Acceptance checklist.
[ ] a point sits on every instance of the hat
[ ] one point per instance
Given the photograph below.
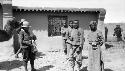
(26, 24)
(117, 25)
(76, 21)
(22, 20)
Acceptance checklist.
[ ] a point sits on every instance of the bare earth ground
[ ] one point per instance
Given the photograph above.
(51, 58)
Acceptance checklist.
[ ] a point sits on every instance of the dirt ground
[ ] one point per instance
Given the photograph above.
(51, 57)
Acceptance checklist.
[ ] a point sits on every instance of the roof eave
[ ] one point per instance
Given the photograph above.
(101, 10)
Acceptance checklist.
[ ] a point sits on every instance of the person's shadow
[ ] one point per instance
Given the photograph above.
(45, 68)
(108, 45)
(108, 70)
(39, 55)
(85, 69)
(8, 65)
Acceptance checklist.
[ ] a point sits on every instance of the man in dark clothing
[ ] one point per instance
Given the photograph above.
(25, 40)
(117, 32)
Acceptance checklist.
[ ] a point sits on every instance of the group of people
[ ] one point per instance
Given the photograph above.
(73, 42)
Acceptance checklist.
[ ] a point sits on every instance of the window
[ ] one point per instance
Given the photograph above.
(55, 24)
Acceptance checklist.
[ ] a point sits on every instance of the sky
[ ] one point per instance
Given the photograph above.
(115, 9)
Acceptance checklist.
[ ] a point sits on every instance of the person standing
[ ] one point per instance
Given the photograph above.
(77, 40)
(68, 35)
(25, 40)
(117, 33)
(95, 39)
(64, 29)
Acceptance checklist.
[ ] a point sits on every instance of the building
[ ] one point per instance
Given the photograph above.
(50, 18)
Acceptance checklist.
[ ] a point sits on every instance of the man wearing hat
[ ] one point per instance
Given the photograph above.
(25, 40)
(96, 40)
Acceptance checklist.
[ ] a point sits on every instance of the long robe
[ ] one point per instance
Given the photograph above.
(95, 57)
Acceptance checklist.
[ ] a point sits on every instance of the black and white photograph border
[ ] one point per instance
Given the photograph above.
(62, 35)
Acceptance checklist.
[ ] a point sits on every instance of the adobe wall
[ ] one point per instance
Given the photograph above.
(39, 20)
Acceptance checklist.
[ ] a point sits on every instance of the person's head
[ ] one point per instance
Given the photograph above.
(93, 25)
(21, 22)
(64, 23)
(117, 25)
(26, 25)
(71, 24)
(76, 24)
(34, 37)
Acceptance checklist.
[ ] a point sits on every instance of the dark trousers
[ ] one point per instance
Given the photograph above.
(64, 46)
(28, 55)
(119, 38)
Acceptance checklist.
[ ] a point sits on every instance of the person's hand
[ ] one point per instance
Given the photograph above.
(16, 56)
(71, 39)
(81, 46)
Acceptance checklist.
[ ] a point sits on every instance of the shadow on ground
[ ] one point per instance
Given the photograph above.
(39, 54)
(108, 70)
(45, 68)
(108, 45)
(84, 69)
(8, 65)
(84, 57)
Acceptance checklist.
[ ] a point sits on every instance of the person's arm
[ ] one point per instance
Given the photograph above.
(63, 32)
(121, 30)
(82, 39)
(100, 39)
(67, 35)
(89, 38)
(114, 34)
